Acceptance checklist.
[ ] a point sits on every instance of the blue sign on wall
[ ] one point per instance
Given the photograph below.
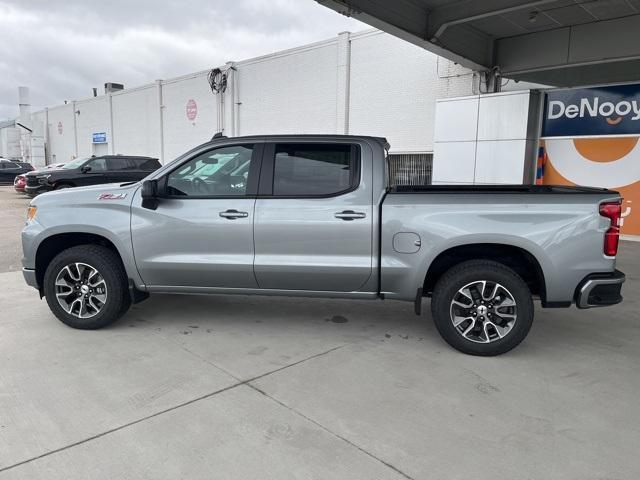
(100, 137)
(611, 110)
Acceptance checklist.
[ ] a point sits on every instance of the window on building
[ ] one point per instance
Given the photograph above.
(410, 169)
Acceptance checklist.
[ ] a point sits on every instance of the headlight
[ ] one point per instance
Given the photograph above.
(31, 212)
(42, 179)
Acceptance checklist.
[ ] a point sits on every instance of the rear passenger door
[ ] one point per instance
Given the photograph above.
(122, 169)
(313, 218)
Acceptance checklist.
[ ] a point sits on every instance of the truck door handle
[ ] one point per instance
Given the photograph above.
(233, 214)
(349, 215)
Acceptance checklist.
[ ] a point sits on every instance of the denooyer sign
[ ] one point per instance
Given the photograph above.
(611, 110)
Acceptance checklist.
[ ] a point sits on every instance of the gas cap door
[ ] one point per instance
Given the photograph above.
(406, 242)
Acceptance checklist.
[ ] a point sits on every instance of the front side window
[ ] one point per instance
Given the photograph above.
(220, 172)
(314, 169)
(97, 165)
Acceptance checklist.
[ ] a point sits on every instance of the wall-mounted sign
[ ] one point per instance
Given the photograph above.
(99, 137)
(60, 128)
(613, 110)
(592, 138)
(192, 110)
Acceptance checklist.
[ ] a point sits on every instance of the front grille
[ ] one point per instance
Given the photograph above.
(32, 181)
(410, 169)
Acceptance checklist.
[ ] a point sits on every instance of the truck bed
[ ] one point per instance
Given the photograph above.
(493, 189)
(559, 226)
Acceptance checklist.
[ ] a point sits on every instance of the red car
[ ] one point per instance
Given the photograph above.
(19, 183)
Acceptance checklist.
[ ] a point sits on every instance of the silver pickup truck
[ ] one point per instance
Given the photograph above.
(315, 215)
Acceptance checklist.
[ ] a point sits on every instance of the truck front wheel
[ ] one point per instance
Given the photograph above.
(482, 307)
(86, 287)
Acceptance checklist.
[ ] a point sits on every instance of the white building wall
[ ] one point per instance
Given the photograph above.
(180, 133)
(9, 142)
(368, 83)
(36, 139)
(136, 121)
(394, 87)
(484, 139)
(61, 133)
(92, 117)
(289, 92)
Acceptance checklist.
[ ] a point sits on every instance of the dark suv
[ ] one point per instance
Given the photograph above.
(91, 171)
(10, 169)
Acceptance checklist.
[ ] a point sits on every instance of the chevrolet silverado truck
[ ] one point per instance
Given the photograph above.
(317, 215)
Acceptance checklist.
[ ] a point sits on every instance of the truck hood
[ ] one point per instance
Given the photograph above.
(111, 193)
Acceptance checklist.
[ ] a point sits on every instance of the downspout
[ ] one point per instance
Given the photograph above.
(232, 93)
(161, 120)
(47, 147)
(112, 141)
(236, 100)
(75, 127)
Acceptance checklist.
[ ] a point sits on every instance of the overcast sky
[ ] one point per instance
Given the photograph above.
(60, 49)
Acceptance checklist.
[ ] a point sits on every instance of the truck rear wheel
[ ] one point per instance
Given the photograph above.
(482, 307)
(86, 287)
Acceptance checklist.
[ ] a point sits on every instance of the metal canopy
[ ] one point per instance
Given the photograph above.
(554, 42)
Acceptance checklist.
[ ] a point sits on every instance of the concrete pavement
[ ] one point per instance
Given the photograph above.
(13, 213)
(260, 387)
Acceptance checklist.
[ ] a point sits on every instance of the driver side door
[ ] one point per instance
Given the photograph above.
(93, 172)
(201, 234)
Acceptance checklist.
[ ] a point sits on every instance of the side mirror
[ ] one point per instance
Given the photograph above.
(149, 193)
(149, 189)
(85, 169)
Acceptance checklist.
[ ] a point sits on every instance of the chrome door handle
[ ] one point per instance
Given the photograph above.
(349, 215)
(233, 214)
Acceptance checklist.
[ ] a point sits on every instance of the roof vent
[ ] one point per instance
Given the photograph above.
(113, 87)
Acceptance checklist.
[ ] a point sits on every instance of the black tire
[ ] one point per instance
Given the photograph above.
(109, 266)
(467, 273)
(63, 185)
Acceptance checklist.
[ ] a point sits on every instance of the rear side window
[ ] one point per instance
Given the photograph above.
(120, 164)
(145, 163)
(314, 169)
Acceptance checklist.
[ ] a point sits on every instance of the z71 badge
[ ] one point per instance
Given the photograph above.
(112, 196)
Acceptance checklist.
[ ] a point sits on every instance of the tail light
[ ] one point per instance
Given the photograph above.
(613, 211)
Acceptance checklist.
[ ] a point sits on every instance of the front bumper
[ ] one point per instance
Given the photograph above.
(30, 277)
(29, 190)
(600, 290)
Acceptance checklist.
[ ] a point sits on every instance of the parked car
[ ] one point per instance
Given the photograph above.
(91, 171)
(19, 183)
(10, 169)
(314, 216)
(54, 166)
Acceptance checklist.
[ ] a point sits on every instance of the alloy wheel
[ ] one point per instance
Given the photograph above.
(483, 311)
(81, 290)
